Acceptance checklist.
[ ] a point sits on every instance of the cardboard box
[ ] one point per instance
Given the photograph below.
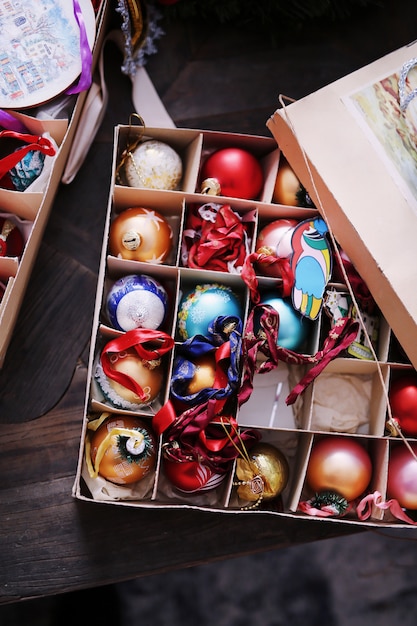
(32, 208)
(348, 400)
(353, 148)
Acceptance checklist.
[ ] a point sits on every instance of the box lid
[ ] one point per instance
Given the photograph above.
(354, 149)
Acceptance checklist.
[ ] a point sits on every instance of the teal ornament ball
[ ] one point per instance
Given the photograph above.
(199, 307)
(293, 327)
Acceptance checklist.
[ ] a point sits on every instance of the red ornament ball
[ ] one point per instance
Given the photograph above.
(274, 239)
(140, 234)
(403, 401)
(402, 476)
(232, 172)
(11, 239)
(340, 465)
(191, 476)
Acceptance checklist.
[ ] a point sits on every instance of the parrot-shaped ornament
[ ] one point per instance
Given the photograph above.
(311, 264)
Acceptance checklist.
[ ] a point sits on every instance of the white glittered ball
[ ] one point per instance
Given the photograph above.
(153, 165)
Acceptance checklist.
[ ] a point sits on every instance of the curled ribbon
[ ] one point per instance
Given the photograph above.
(226, 347)
(261, 334)
(364, 508)
(249, 274)
(199, 434)
(149, 344)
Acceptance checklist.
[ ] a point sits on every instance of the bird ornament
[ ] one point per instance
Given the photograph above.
(311, 265)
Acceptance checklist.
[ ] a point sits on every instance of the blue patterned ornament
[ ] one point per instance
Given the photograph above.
(27, 170)
(201, 306)
(136, 301)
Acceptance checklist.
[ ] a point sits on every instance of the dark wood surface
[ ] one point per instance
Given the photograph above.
(214, 77)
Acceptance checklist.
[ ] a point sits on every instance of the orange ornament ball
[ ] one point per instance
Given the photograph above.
(140, 234)
(287, 186)
(124, 448)
(340, 465)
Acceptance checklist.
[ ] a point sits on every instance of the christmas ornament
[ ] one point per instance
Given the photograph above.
(288, 190)
(153, 164)
(403, 402)
(130, 371)
(402, 475)
(122, 449)
(275, 239)
(148, 375)
(262, 473)
(198, 308)
(11, 239)
(311, 265)
(21, 167)
(191, 476)
(293, 328)
(140, 234)
(232, 172)
(204, 373)
(136, 301)
(340, 465)
(208, 367)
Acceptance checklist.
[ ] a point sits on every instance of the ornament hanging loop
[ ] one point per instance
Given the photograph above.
(132, 142)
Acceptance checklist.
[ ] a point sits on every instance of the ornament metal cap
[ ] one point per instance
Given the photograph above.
(211, 187)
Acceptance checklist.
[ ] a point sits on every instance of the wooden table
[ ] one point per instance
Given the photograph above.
(49, 542)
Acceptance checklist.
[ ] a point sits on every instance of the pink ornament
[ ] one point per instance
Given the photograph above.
(402, 476)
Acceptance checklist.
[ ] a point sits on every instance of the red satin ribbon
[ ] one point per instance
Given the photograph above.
(137, 339)
(33, 142)
(198, 434)
(249, 275)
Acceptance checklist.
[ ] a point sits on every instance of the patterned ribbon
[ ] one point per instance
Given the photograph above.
(199, 434)
(226, 347)
(261, 335)
(150, 345)
(85, 79)
(249, 275)
(33, 143)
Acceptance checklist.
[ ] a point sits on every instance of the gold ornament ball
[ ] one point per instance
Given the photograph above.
(204, 375)
(119, 464)
(149, 378)
(270, 464)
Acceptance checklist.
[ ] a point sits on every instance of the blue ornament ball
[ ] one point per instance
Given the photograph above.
(136, 301)
(200, 307)
(293, 327)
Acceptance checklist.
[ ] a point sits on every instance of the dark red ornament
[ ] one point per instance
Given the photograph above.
(403, 402)
(11, 239)
(232, 172)
(191, 476)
